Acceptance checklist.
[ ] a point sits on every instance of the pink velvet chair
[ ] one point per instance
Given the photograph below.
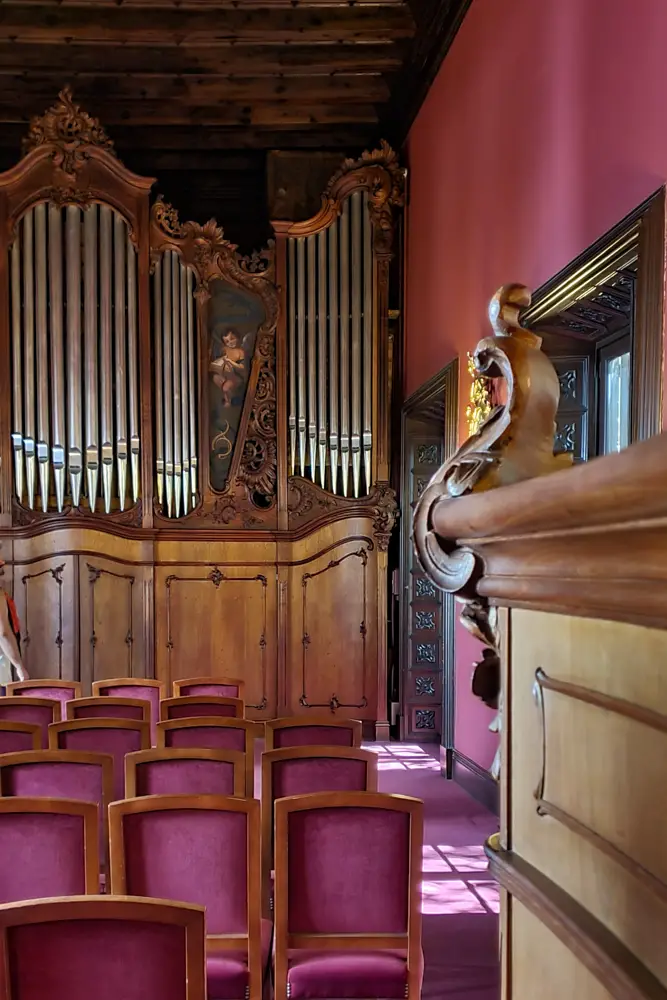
(196, 706)
(312, 730)
(202, 849)
(111, 736)
(302, 770)
(62, 774)
(18, 736)
(49, 848)
(102, 947)
(46, 687)
(40, 712)
(214, 734)
(185, 772)
(109, 708)
(348, 865)
(134, 687)
(225, 687)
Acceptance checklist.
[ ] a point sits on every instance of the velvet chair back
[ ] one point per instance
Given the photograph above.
(198, 706)
(322, 730)
(302, 770)
(348, 864)
(40, 712)
(202, 849)
(184, 772)
(61, 691)
(18, 736)
(134, 687)
(49, 848)
(116, 737)
(225, 687)
(103, 947)
(109, 708)
(62, 774)
(214, 734)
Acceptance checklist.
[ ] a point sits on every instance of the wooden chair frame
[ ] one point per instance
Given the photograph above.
(311, 720)
(253, 731)
(66, 807)
(71, 725)
(205, 699)
(102, 700)
(103, 760)
(134, 760)
(85, 908)
(99, 687)
(24, 727)
(35, 682)
(36, 703)
(284, 941)
(271, 757)
(228, 681)
(252, 941)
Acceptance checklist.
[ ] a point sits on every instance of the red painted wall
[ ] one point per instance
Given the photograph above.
(545, 126)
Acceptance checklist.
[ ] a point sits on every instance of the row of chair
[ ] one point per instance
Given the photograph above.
(346, 918)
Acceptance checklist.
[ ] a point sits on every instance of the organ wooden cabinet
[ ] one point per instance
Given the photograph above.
(575, 559)
(194, 444)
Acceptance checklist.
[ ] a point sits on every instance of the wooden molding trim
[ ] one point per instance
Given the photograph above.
(628, 709)
(598, 950)
(649, 328)
(477, 781)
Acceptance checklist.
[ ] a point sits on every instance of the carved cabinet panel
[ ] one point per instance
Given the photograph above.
(219, 621)
(332, 631)
(113, 603)
(45, 596)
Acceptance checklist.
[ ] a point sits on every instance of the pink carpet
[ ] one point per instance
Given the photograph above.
(460, 899)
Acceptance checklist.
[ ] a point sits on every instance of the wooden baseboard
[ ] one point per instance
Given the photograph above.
(477, 782)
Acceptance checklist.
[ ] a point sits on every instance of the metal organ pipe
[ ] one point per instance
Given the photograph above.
(330, 342)
(175, 384)
(68, 374)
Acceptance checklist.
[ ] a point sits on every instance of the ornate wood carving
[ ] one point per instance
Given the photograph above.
(334, 703)
(94, 574)
(71, 133)
(216, 577)
(23, 517)
(309, 504)
(249, 499)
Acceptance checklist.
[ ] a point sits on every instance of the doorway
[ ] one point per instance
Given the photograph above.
(425, 709)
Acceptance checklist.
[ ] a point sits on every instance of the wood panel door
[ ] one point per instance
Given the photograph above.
(45, 592)
(213, 621)
(114, 607)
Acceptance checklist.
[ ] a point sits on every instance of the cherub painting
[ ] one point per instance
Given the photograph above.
(235, 316)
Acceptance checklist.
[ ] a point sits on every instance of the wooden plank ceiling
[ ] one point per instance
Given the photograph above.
(211, 85)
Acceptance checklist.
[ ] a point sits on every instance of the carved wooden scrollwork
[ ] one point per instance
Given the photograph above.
(71, 132)
(515, 442)
(249, 497)
(308, 503)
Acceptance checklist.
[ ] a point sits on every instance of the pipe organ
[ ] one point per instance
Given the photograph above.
(194, 444)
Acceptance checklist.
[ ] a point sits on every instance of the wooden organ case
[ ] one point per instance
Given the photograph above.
(194, 444)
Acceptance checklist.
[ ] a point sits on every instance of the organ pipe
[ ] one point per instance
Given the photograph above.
(330, 343)
(175, 385)
(75, 382)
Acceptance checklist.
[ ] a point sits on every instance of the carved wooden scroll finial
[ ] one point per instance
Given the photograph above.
(70, 130)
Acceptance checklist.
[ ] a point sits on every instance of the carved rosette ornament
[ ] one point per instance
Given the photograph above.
(71, 132)
(515, 442)
(249, 499)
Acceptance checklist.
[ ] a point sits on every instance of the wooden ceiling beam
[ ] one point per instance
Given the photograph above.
(140, 26)
(276, 114)
(71, 60)
(38, 92)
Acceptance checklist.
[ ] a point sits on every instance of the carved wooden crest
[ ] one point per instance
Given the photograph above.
(70, 130)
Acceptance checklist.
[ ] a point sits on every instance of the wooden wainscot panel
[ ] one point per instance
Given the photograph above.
(115, 601)
(220, 619)
(331, 644)
(45, 592)
(588, 718)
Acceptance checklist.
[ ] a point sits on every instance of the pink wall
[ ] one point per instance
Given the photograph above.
(545, 126)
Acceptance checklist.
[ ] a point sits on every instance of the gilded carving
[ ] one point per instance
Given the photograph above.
(70, 130)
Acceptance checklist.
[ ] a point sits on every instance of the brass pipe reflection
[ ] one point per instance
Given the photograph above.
(292, 346)
(344, 238)
(176, 379)
(41, 316)
(301, 353)
(159, 376)
(120, 352)
(73, 321)
(355, 358)
(192, 388)
(133, 364)
(56, 340)
(106, 358)
(167, 374)
(367, 434)
(334, 356)
(17, 367)
(90, 317)
(311, 354)
(322, 354)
